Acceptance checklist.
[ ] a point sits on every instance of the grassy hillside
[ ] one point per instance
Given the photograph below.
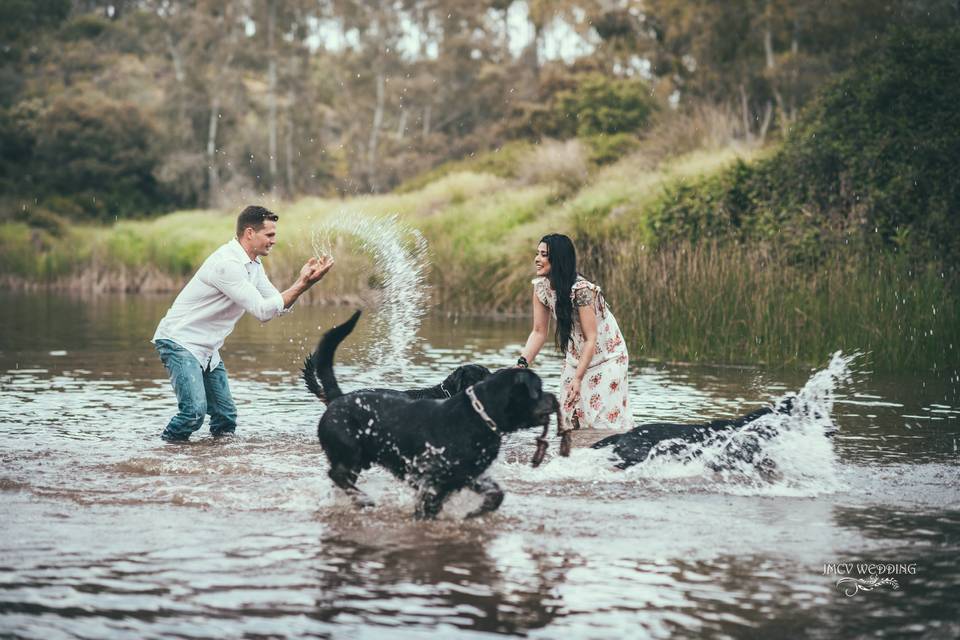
(482, 230)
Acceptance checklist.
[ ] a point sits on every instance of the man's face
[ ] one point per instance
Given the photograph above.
(263, 240)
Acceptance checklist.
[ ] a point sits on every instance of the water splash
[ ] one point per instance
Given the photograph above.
(399, 254)
(778, 454)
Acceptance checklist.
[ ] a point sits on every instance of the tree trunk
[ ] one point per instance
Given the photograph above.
(768, 48)
(745, 113)
(272, 93)
(767, 117)
(771, 73)
(427, 110)
(532, 54)
(288, 149)
(180, 76)
(402, 125)
(505, 45)
(375, 133)
(213, 174)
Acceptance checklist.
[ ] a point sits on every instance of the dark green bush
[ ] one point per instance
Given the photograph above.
(606, 149)
(97, 154)
(41, 218)
(883, 143)
(873, 159)
(602, 105)
(85, 27)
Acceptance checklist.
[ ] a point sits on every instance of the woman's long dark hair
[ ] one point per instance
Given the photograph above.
(563, 273)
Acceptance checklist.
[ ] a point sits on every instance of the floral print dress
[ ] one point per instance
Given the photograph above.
(604, 402)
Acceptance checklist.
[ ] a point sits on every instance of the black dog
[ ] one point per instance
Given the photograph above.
(438, 446)
(634, 446)
(461, 378)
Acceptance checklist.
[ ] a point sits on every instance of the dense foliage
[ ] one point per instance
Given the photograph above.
(873, 160)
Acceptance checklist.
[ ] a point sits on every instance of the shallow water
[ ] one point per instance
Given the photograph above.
(108, 532)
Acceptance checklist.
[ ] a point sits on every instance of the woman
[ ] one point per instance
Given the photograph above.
(594, 380)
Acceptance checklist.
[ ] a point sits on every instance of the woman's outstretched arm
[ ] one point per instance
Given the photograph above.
(538, 336)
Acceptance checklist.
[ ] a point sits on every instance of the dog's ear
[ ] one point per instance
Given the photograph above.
(477, 373)
(455, 380)
(527, 385)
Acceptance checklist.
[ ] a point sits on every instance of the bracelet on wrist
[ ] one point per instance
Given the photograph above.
(522, 363)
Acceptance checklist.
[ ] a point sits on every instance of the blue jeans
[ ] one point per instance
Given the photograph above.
(199, 391)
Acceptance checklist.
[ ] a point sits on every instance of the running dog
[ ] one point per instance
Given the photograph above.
(634, 446)
(437, 446)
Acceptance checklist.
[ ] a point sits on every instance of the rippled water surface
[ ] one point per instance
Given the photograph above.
(108, 532)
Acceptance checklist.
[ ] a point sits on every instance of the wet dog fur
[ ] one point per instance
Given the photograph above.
(437, 446)
(634, 446)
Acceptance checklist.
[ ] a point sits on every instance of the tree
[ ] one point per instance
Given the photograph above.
(95, 155)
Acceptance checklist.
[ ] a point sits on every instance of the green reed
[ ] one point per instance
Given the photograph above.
(754, 304)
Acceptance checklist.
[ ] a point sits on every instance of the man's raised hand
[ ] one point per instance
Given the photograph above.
(315, 268)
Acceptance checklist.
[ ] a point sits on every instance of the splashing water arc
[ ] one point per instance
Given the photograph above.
(804, 457)
(399, 254)
(805, 460)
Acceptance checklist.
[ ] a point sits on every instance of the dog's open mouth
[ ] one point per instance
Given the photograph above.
(547, 407)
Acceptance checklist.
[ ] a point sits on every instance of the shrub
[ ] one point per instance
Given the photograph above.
(606, 149)
(502, 162)
(85, 27)
(882, 143)
(873, 159)
(562, 164)
(40, 218)
(602, 105)
(98, 153)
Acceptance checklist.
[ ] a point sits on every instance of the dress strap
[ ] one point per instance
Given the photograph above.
(584, 293)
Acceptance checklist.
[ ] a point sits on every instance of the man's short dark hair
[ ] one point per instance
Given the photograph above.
(254, 217)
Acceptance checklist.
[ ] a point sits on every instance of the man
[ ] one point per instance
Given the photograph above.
(230, 282)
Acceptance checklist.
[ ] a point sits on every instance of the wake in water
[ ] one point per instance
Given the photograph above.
(784, 451)
(399, 254)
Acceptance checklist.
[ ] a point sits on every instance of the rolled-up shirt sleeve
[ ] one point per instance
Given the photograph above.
(231, 278)
(267, 290)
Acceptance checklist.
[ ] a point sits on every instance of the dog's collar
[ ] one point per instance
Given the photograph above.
(478, 407)
(445, 392)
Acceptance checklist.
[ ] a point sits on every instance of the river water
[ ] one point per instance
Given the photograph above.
(109, 532)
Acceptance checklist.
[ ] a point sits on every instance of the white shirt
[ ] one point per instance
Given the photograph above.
(227, 284)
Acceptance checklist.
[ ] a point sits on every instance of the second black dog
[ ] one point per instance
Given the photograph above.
(438, 446)
(634, 446)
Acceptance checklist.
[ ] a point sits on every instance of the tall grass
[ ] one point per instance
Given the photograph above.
(753, 304)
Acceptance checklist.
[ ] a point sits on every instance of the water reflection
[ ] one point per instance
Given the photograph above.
(405, 575)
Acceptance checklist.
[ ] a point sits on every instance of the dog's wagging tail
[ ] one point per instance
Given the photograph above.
(317, 372)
